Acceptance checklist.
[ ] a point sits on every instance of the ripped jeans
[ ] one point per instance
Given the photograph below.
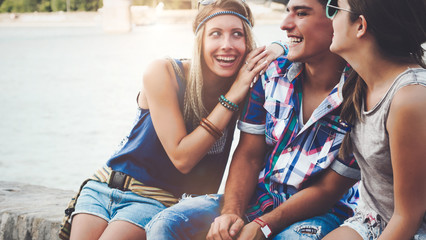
(188, 219)
(191, 219)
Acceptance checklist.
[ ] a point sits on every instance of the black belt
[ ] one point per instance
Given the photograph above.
(119, 180)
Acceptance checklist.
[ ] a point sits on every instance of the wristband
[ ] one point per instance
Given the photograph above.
(284, 46)
(266, 230)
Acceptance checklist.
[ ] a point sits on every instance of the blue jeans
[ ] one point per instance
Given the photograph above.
(310, 229)
(191, 219)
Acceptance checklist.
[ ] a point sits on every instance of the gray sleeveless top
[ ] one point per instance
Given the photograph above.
(372, 151)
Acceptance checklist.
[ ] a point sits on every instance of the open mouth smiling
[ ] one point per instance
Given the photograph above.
(226, 59)
(295, 40)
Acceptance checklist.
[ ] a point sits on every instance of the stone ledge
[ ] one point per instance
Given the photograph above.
(30, 211)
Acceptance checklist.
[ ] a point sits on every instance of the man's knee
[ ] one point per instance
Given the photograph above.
(311, 229)
(303, 231)
(189, 217)
(308, 231)
(165, 225)
(166, 220)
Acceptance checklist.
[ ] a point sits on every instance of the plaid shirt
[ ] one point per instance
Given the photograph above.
(295, 154)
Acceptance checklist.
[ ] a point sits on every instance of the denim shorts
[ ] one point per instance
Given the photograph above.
(111, 204)
(367, 224)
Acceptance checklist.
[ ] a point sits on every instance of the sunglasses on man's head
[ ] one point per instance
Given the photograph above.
(208, 2)
(331, 9)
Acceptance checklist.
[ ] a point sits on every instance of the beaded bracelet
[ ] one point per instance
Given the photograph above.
(228, 107)
(228, 104)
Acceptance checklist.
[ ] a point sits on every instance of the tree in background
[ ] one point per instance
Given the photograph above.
(92, 5)
(150, 3)
(20, 6)
(6, 6)
(168, 4)
(44, 6)
(58, 5)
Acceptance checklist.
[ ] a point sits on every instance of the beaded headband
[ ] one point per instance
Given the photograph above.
(222, 13)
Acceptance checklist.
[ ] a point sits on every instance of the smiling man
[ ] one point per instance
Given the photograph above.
(286, 180)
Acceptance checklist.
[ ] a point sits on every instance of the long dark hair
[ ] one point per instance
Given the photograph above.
(399, 28)
(353, 93)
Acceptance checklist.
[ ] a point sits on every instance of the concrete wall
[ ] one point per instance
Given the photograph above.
(31, 212)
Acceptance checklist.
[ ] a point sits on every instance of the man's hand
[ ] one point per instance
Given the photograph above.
(251, 231)
(246, 164)
(225, 227)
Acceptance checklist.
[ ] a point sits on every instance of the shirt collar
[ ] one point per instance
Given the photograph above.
(294, 70)
(340, 87)
(329, 104)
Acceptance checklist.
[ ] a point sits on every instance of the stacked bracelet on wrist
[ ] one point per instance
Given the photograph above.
(211, 128)
(228, 104)
(264, 227)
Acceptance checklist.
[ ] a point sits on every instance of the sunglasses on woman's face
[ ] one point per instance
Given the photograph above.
(208, 2)
(331, 9)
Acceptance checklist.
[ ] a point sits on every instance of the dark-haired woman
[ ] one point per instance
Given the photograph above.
(385, 102)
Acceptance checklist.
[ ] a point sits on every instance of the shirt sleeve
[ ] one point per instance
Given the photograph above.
(253, 114)
(347, 167)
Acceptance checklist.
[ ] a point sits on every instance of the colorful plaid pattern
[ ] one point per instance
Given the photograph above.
(295, 156)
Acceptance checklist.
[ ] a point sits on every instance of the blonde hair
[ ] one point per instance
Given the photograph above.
(194, 109)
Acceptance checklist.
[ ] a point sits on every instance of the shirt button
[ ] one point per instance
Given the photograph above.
(289, 149)
(328, 106)
(275, 191)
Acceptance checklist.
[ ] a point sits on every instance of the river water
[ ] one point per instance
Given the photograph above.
(67, 94)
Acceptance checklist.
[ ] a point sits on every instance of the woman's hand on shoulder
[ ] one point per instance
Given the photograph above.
(273, 51)
(256, 63)
(248, 74)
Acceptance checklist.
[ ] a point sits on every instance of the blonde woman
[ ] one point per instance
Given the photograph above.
(182, 136)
